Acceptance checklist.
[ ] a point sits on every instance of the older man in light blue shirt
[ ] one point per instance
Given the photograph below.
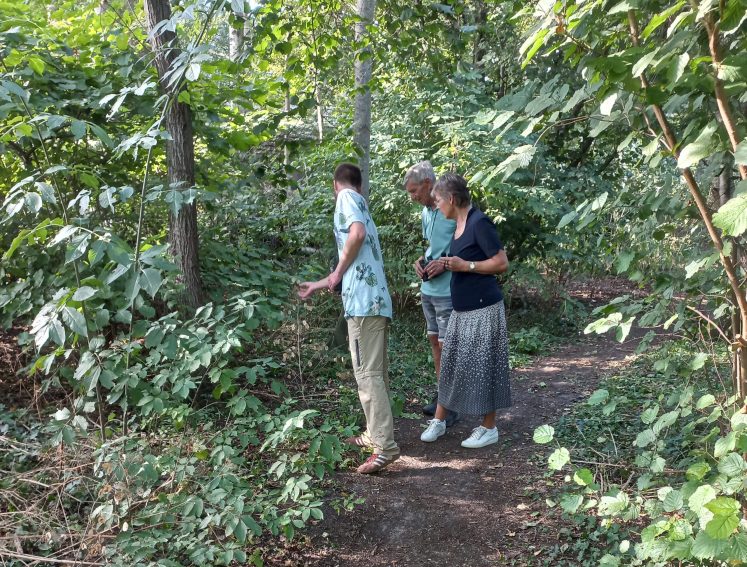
(435, 291)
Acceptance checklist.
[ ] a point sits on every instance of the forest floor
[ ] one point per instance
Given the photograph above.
(441, 504)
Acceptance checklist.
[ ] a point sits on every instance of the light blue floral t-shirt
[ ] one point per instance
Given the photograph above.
(364, 289)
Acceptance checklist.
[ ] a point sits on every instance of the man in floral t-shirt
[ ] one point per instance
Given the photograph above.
(368, 311)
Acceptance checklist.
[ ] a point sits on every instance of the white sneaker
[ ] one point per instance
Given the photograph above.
(435, 429)
(481, 437)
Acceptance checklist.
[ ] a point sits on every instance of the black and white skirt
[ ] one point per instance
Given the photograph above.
(474, 362)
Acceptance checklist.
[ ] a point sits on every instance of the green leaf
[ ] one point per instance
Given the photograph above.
(699, 361)
(621, 7)
(193, 73)
(75, 321)
(37, 65)
(257, 530)
(583, 477)
(535, 41)
(725, 445)
(721, 527)
(697, 471)
(609, 561)
(16, 90)
(707, 547)
(740, 154)
(613, 505)
(79, 129)
(666, 420)
(521, 157)
(605, 108)
(567, 219)
(739, 547)
(694, 267)
(673, 501)
(622, 331)
(99, 132)
(240, 531)
(77, 247)
(622, 263)
(732, 465)
(62, 415)
(723, 506)
(559, 458)
(645, 438)
(544, 434)
(83, 293)
(660, 18)
(703, 146)
(33, 201)
(649, 415)
(150, 280)
(598, 397)
(599, 125)
(732, 216)
(604, 324)
(570, 503)
(642, 64)
(698, 499)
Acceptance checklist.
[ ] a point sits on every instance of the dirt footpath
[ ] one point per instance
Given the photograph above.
(441, 504)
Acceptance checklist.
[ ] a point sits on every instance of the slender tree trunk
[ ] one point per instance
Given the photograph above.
(180, 157)
(671, 143)
(363, 68)
(722, 100)
(478, 50)
(236, 36)
(235, 42)
(286, 108)
(319, 112)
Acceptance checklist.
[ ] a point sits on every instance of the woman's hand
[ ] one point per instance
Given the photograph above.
(454, 264)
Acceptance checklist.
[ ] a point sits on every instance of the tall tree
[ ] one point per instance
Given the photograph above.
(180, 154)
(363, 69)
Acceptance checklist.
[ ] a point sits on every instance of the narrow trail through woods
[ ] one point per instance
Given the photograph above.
(441, 504)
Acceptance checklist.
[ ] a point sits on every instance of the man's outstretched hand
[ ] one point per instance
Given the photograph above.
(307, 289)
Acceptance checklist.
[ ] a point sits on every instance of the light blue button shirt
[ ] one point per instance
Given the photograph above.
(437, 231)
(364, 289)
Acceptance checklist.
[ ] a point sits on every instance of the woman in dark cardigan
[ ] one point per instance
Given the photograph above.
(474, 364)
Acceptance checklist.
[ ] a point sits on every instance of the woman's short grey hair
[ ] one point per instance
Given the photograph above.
(420, 172)
(453, 185)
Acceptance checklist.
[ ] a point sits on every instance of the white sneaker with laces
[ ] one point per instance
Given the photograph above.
(481, 437)
(435, 429)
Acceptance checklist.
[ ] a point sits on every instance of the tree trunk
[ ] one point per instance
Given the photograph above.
(481, 18)
(236, 37)
(319, 112)
(180, 157)
(363, 67)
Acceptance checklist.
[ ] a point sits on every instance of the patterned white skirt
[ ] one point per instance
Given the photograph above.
(474, 362)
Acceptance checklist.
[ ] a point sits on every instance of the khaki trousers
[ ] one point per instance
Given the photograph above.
(368, 343)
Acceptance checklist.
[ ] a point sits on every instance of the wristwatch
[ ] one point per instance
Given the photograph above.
(471, 266)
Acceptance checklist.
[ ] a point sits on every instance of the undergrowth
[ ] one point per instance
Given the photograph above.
(230, 446)
(649, 470)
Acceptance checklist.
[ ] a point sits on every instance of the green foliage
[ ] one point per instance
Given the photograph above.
(212, 428)
(669, 471)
